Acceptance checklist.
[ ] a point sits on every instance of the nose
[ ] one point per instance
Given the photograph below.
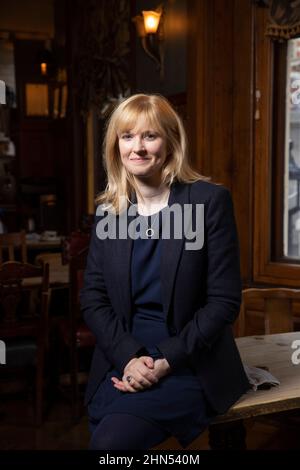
(138, 146)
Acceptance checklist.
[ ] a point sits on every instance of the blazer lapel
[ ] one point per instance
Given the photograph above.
(172, 249)
(120, 258)
(124, 252)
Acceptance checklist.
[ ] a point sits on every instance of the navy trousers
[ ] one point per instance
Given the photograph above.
(120, 431)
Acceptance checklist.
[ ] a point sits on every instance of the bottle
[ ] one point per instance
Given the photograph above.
(2, 225)
(30, 225)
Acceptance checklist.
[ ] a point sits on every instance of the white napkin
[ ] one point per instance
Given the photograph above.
(260, 378)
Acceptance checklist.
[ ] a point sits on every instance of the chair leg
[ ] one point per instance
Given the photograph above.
(228, 436)
(39, 390)
(39, 404)
(74, 382)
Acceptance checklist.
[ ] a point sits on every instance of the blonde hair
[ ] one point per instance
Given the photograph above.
(162, 118)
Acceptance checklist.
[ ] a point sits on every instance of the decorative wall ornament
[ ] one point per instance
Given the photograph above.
(284, 20)
(261, 3)
(103, 55)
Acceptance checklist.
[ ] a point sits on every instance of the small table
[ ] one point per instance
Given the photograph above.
(275, 353)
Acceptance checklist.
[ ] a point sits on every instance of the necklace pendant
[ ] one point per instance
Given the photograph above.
(149, 232)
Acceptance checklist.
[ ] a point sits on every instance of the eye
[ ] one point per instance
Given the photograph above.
(126, 136)
(150, 136)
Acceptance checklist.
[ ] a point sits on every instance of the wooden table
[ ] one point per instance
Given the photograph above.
(39, 247)
(273, 352)
(58, 272)
(43, 244)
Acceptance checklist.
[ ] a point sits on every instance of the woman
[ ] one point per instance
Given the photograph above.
(161, 309)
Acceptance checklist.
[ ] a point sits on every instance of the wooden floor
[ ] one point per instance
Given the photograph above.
(59, 432)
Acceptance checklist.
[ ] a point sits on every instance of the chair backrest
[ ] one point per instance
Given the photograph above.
(81, 336)
(53, 259)
(267, 311)
(16, 318)
(77, 267)
(9, 242)
(74, 244)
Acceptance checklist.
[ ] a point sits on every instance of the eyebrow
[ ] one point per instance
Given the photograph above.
(143, 132)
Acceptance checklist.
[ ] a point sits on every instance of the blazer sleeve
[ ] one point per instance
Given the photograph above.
(223, 286)
(117, 344)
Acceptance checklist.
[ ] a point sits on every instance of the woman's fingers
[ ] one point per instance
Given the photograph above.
(140, 381)
(147, 375)
(118, 384)
(141, 373)
(123, 385)
(148, 360)
(145, 378)
(134, 386)
(134, 382)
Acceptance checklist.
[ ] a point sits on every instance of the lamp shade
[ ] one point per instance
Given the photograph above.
(151, 21)
(140, 27)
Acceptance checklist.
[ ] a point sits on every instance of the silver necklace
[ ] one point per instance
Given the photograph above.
(150, 230)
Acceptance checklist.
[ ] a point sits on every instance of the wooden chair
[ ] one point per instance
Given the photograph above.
(268, 311)
(58, 273)
(24, 332)
(9, 242)
(73, 244)
(74, 333)
(81, 338)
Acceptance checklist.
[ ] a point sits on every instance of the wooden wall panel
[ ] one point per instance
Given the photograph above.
(198, 78)
(242, 162)
(35, 150)
(219, 104)
(221, 93)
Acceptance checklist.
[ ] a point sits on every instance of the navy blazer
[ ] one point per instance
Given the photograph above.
(201, 292)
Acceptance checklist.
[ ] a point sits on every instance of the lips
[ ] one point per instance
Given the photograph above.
(138, 159)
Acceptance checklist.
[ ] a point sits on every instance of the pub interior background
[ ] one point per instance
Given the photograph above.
(232, 75)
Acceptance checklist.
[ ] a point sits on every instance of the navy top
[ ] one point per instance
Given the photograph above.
(149, 322)
(176, 403)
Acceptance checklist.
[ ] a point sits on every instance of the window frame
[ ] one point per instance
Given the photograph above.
(269, 264)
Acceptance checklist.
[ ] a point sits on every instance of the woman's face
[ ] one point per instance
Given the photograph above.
(142, 151)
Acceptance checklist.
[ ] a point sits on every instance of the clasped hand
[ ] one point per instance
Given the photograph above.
(144, 372)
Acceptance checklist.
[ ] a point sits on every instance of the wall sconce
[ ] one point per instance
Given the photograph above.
(45, 60)
(149, 27)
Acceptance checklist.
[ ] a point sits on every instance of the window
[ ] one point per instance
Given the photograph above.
(276, 158)
(292, 152)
